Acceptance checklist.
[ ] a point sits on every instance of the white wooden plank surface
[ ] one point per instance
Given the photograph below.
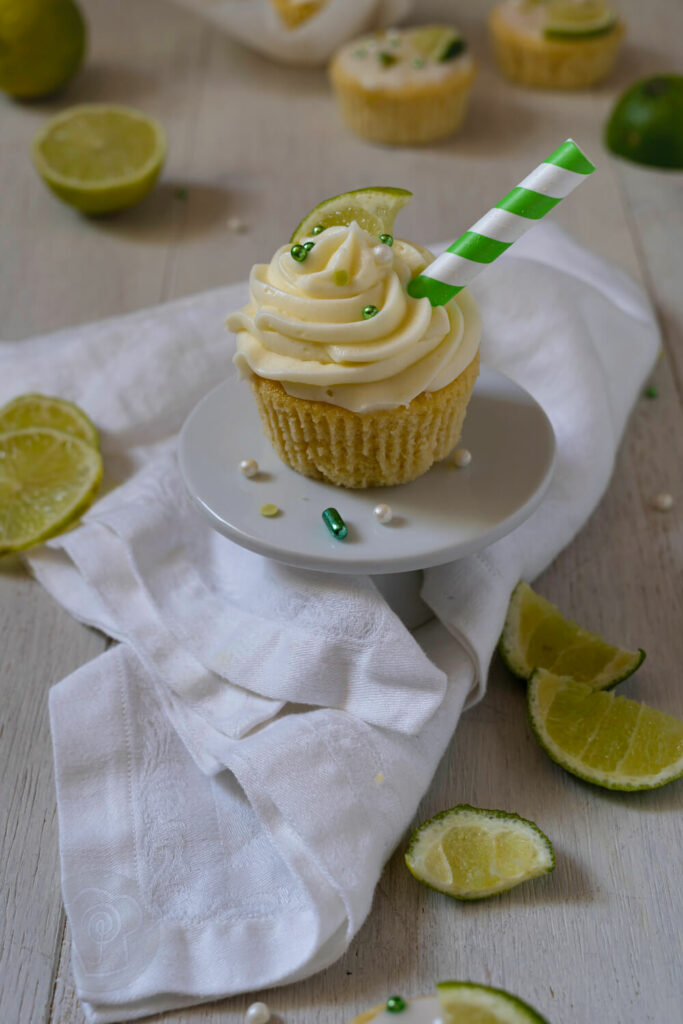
(600, 938)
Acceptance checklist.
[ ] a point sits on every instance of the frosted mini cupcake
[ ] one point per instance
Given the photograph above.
(404, 86)
(555, 44)
(356, 382)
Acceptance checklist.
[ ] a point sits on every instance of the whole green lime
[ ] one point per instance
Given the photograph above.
(42, 45)
(646, 124)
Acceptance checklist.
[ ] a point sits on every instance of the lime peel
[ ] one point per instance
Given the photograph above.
(610, 741)
(471, 853)
(536, 635)
(374, 208)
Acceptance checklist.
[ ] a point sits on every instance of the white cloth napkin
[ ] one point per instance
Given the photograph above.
(257, 24)
(233, 774)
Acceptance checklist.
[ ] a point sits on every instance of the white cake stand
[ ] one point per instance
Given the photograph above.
(443, 515)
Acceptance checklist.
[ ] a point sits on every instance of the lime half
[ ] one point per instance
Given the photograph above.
(373, 208)
(47, 478)
(470, 853)
(536, 635)
(610, 741)
(42, 44)
(566, 19)
(646, 125)
(47, 411)
(464, 1002)
(100, 158)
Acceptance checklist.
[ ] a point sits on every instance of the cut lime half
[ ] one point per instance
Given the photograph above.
(536, 635)
(99, 157)
(610, 741)
(464, 1002)
(585, 20)
(47, 411)
(470, 852)
(47, 478)
(373, 208)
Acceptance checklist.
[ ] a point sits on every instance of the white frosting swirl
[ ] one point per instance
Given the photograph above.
(304, 324)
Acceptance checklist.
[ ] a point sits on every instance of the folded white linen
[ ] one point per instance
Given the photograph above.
(258, 25)
(233, 775)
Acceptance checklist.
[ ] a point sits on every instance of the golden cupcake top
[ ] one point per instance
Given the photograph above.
(330, 319)
(411, 56)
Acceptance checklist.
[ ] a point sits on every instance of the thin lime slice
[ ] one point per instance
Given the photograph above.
(464, 1002)
(536, 635)
(47, 411)
(373, 208)
(610, 741)
(439, 43)
(470, 852)
(99, 157)
(47, 478)
(566, 19)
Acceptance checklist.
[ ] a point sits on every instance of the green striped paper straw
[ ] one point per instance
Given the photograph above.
(495, 232)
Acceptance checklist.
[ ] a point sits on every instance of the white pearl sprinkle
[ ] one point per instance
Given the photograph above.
(382, 254)
(663, 502)
(462, 458)
(383, 513)
(249, 467)
(258, 1013)
(236, 225)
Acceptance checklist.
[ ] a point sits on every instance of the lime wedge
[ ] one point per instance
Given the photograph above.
(610, 741)
(47, 478)
(469, 852)
(536, 635)
(100, 158)
(438, 42)
(463, 1002)
(566, 19)
(646, 124)
(373, 208)
(47, 411)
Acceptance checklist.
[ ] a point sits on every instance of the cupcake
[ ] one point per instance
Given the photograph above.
(555, 44)
(404, 87)
(356, 382)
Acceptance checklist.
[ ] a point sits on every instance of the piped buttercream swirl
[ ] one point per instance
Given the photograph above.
(304, 324)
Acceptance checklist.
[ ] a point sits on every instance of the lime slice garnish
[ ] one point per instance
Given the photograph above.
(464, 1002)
(569, 19)
(610, 741)
(42, 44)
(373, 208)
(646, 125)
(47, 478)
(439, 43)
(47, 411)
(100, 158)
(469, 852)
(536, 635)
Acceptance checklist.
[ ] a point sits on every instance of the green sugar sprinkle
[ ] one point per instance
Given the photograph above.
(386, 59)
(341, 277)
(651, 391)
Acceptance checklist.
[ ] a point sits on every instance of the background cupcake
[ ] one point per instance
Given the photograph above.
(555, 44)
(404, 86)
